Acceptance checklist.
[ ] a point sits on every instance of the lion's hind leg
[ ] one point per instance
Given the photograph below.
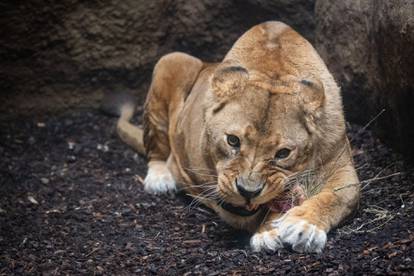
(173, 79)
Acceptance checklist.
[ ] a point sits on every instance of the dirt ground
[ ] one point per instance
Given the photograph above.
(71, 203)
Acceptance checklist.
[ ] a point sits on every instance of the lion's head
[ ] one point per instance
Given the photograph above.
(261, 131)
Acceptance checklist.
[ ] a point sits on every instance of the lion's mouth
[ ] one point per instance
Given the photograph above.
(238, 210)
(294, 197)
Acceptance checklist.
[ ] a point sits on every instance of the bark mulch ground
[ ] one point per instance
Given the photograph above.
(71, 203)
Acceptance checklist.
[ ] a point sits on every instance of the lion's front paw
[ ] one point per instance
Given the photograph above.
(301, 235)
(291, 231)
(159, 179)
(267, 240)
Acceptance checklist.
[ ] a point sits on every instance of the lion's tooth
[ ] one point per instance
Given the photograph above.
(252, 206)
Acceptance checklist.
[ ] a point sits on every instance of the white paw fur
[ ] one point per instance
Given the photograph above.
(301, 235)
(159, 179)
(267, 240)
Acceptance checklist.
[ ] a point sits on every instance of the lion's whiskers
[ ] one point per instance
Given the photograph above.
(198, 186)
(198, 199)
(306, 180)
(201, 185)
(209, 193)
(204, 172)
(198, 169)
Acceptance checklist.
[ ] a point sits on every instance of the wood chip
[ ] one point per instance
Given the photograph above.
(33, 200)
(192, 241)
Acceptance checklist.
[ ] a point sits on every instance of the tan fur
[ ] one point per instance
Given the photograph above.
(273, 91)
(129, 133)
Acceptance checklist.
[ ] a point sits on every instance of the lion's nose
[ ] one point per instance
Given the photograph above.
(248, 194)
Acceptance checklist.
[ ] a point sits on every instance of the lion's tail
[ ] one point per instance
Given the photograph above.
(122, 105)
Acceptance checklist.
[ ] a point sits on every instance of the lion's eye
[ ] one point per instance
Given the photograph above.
(282, 154)
(233, 141)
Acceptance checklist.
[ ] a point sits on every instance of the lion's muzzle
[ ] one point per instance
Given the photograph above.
(251, 186)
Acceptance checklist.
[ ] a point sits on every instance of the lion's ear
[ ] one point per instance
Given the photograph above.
(313, 95)
(228, 80)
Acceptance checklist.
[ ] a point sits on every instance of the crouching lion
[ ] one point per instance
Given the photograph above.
(259, 138)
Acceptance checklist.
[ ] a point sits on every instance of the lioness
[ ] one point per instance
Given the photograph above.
(239, 134)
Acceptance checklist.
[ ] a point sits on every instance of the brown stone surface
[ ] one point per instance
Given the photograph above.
(60, 54)
(57, 54)
(369, 46)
